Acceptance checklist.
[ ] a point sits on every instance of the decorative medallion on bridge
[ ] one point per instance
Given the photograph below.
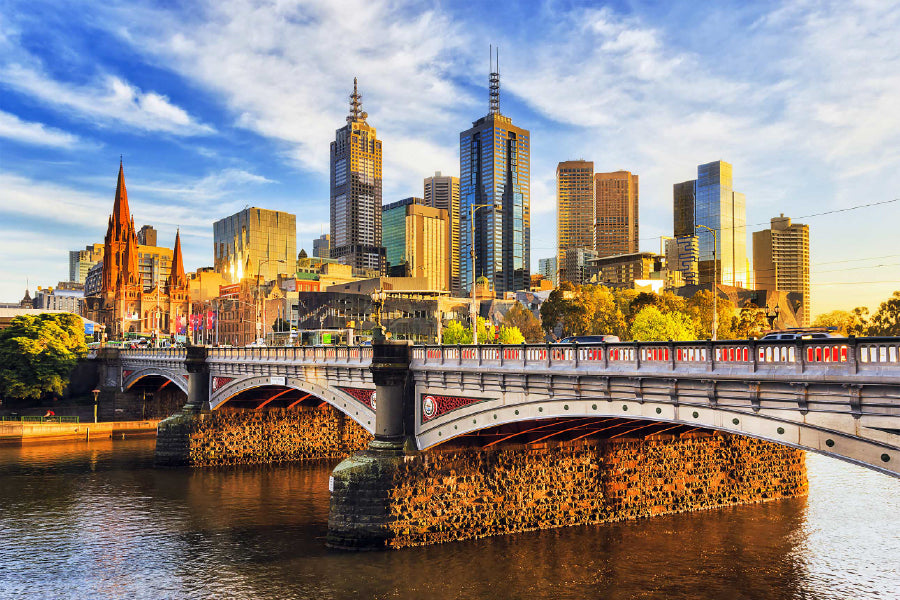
(126, 373)
(434, 406)
(367, 397)
(218, 382)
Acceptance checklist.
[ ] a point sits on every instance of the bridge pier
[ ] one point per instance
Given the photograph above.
(173, 435)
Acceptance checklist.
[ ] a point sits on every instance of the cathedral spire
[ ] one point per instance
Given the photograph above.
(177, 278)
(356, 112)
(121, 215)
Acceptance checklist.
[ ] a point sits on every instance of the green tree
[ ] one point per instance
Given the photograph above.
(524, 320)
(653, 325)
(560, 308)
(847, 322)
(699, 307)
(886, 321)
(456, 333)
(511, 335)
(749, 323)
(598, 313)
(38, 353)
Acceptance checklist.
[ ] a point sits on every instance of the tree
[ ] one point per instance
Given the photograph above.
(652, 325)
(886, 322)
(846, 322)
(281, 325)
(749, 323)
(455, 333)
(558, 310)
(38, 353)
(511, 335)
(521, 318)
(699, 306)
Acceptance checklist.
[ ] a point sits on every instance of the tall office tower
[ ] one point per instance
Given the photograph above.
(717, 206)
(147, 235)
(255, 241)
(781, 260)
(442, 192)
(417, 241)
(322, 246)
(578, 267)
(494, 170)
(81, 261)
(616, 213)
(574, 211)
(547, 268)
(356, 191)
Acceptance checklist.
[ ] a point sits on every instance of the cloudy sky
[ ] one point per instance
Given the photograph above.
(224, 104)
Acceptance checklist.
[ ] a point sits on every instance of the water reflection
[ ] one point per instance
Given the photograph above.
(96, 520)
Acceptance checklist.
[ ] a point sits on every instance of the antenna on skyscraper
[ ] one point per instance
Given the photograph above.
(494, 82)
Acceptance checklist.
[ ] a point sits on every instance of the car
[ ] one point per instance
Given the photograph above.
(795, 335)
(589, 339)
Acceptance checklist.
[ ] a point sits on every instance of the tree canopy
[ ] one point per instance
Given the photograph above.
(38, 353)
(519, 317)
(652, 325)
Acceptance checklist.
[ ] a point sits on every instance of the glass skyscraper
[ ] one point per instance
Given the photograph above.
(494, 165)
(710, 201)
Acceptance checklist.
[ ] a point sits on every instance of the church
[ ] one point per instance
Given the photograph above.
(123, 304)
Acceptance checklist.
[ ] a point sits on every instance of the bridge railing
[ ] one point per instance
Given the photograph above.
(311, 354)
(853, 353)
(154, 353)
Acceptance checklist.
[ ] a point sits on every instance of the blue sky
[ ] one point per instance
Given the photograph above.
(223, 104)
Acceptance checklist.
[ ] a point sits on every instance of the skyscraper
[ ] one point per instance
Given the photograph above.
(417, 241)
(547, 268)
(442, 192)
(255, 241)
(781, 260)
(322, 246)
(710, 201)
(494, 166)
(356, 191)
(574, 212)
(616, 213)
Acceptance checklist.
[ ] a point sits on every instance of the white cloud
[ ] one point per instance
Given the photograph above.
(213, 186)
(36, 134)
(106, 100)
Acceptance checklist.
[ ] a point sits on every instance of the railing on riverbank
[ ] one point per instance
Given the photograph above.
(37, 419)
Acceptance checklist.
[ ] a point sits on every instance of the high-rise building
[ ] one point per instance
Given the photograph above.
(683, 254)
(356, 191)
(781, 260)
(574, 211)
(255, 241)
(147, 235)
(616, 213)
(547, 268)
(322, 246)
(81, 261)
(442, 192)
(417, 241)
(710, 201)
(579, 265)
(494, 166)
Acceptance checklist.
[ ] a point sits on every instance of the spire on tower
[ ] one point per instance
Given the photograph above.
(177, 279)
(356, 112)
(494, 88)
(120, 214)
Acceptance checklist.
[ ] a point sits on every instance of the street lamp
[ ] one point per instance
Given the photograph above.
(96, 393)
(715, 289)
(259, 327)
(472, 312)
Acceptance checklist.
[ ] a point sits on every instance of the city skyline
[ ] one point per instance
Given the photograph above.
(208, 123)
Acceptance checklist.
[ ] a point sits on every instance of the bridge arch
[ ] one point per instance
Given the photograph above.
(130, 378)
(343, 401)
(787, 430)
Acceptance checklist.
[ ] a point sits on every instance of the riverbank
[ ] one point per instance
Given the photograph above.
(27, 432)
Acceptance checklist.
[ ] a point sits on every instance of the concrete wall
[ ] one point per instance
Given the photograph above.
(229, 437)
(437, 496)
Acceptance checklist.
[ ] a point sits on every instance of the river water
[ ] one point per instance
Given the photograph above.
(97, 520)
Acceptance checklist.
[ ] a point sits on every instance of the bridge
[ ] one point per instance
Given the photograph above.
(838, 397)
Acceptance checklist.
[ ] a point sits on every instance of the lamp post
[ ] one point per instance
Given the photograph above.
(473, 317)
(259, 328)
(96, 393)
(715, 287)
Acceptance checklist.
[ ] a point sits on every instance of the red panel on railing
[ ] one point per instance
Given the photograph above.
(434, 406)
(843, 353)
(364, 396)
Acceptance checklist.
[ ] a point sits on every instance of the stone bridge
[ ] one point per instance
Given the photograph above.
(839, 397)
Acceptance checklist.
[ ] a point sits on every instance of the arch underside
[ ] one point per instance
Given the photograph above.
(258, 393)
(543, 418)
(179, 381)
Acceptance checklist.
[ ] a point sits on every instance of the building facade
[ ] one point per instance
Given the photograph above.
(683, 255)
(255, 241)
(81, 261)
(123, 305)
(417, 241)
(625, 269)
(574, 212)
(616, 213)
(579, 263)
(356, 191)
(67, 296)
(781, 261)
(322, 246)
(494, 156)
(547, 268)
(442, 192)
(715, 205)
(146, 236)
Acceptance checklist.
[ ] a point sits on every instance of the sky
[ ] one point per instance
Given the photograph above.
(224, 104)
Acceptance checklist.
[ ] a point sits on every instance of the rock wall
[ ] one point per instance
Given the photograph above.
(229, 437)
(441, 496)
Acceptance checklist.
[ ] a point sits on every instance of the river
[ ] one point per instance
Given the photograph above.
(97, 520)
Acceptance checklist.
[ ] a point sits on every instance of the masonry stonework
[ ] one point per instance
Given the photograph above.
(439, 496)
